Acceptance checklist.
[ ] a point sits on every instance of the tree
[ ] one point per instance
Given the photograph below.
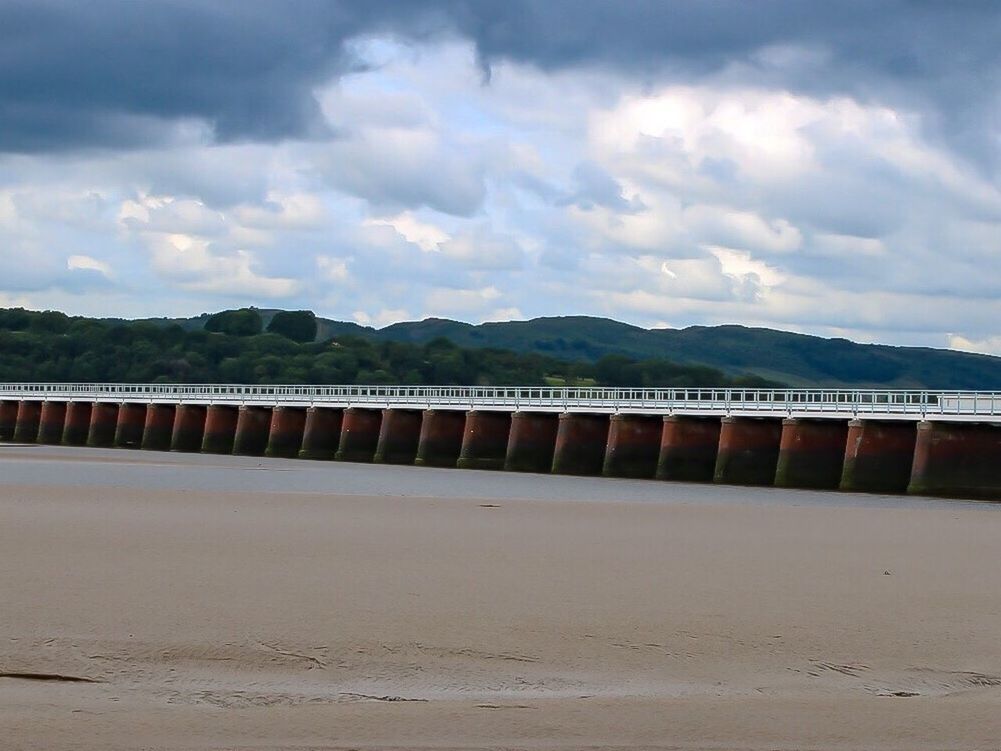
(297, 325)
(15, 319)
(612, 370)
(49, 346)
(50, 322)
(242, 322)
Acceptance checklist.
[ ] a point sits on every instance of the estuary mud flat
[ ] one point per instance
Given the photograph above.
(179, 602)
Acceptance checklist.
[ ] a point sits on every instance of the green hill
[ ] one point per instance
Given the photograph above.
(795, 359)
(236, 346)
(737, 351)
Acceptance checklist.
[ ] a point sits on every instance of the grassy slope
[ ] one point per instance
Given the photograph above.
(796, 359)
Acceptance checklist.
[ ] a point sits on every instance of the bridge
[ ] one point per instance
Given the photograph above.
(945, 443)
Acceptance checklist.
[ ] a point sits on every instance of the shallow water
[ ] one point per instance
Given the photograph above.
(60, 466)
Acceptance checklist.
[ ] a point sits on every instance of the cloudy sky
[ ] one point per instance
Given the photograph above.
(831, 168)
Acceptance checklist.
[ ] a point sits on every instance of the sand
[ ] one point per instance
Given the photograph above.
(265, 620)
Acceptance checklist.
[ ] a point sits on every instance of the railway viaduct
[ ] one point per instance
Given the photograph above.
(938, 443)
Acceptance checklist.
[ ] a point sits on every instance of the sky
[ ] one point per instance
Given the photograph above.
(827, 168)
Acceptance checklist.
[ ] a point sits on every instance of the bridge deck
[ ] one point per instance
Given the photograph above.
(971, 406)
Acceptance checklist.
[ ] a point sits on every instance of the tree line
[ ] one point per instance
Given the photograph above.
(234, 347)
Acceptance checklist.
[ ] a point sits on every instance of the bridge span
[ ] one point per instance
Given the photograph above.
(945, 443)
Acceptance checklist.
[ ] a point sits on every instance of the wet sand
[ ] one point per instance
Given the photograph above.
(205, 619)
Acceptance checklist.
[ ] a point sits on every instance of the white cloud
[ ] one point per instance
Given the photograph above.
(658, 228)
(396, 148)
(848, 246)
(442, 301)
(990, 345)
(741, 265)
(190, 262)
(17, 301)
(741, 229)
(424, 235)
(762, 133)
(383, 317)
(481, 249)
(505, 314)
(164, 213)
(333, 269)
(86, 263)
(282, 211)
(8, 211)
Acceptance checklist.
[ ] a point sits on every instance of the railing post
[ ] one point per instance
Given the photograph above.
(852, 403)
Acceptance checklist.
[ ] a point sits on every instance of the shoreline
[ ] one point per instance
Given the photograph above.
(305, 476)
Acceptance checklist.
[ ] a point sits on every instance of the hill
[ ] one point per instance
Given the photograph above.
(238, 347)
(794, 359)
(737, 351)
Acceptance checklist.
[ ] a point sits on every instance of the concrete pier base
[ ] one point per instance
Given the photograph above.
(484, 440)
(748, 451)
(531, 442)
(253, 426)
(220, 429)
(29, 416)
(159, 428)
(811, 454)
(77, 423)
(398, 436)
(957, 460)
(8, 419)
(189, 428)
(103, 423)
(580, 444)
(285, 434)
(633, 446)
(878, 456)
(52, 423)
(130, 427)
(441, 438)
(322, 433)
(688, 447)
(359, 435)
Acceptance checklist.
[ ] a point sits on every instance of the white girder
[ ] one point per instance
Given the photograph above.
(971, 406)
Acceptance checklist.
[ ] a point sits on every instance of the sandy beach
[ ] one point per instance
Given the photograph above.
(173, 618)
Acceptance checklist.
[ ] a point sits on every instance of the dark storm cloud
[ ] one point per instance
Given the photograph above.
(118, 72)
(902, 38)
(938, 57)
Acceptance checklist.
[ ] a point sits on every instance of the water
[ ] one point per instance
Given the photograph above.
(59, 466)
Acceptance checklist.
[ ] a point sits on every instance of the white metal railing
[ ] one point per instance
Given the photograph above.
(958, 405)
